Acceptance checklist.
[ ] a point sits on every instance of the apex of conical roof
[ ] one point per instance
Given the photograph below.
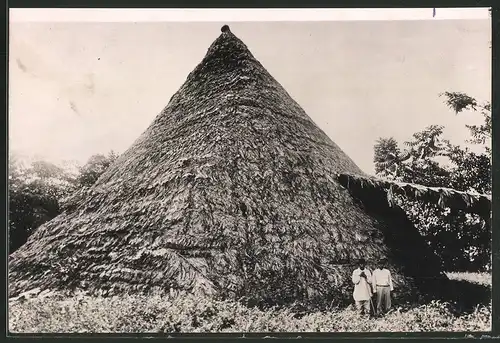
(226, 53)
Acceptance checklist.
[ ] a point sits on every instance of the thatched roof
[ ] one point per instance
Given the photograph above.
(444, 197)
(231, 189)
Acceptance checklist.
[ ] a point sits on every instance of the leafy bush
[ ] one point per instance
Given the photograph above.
(461, 240)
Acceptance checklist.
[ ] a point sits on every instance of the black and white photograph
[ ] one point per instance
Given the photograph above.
(249, 170)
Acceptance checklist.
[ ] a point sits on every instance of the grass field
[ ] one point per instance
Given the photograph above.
(187, 313)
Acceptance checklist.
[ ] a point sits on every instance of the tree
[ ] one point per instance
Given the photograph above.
(462, 240)
(37, 192)
(417, 162)
(388, 158)
(428, 143)
(459, 102)
(93, 169)
(472, 172)
(34, 194)
(423, 167)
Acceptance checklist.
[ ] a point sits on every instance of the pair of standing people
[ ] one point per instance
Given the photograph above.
(366, 283)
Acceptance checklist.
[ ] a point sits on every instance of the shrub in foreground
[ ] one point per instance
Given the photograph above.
(189, 313)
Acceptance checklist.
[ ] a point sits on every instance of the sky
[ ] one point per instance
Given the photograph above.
(81, 88)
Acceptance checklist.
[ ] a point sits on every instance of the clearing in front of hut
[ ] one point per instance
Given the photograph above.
(189, 313)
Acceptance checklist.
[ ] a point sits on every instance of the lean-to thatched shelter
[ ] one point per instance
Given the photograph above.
(232, 189)
(476, 203)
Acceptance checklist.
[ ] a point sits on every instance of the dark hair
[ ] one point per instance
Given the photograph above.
(362, 261)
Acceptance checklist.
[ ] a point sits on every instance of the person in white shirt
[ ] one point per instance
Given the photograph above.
(382, 283)
(362, 278)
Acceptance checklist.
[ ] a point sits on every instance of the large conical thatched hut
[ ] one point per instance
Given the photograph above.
(232, 189)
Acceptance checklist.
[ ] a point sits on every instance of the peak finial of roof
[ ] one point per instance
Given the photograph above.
(225, 28)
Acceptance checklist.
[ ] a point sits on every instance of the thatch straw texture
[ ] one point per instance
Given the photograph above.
(231, 189)
(444, 197)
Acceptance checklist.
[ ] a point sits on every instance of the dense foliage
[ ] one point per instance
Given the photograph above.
(462, 240)
(95, 166)
(191, 313)
(36, 192)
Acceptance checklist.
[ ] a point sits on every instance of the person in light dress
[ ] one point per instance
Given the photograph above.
(362, 280)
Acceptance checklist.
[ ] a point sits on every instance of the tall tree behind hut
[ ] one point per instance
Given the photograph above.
(37, 190)
(462, 240)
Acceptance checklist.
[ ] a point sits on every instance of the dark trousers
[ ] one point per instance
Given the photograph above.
(383, 299)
